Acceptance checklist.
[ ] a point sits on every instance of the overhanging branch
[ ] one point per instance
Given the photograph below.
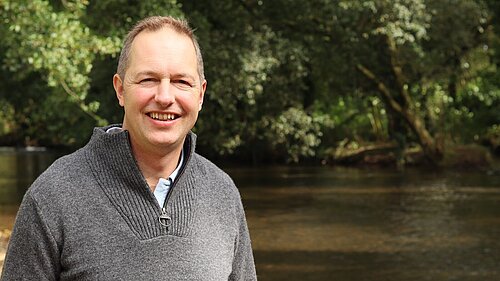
(83, 106)
(398, 71)
(382, 88)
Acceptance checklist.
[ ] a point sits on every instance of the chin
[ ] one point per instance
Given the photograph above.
(164, 141)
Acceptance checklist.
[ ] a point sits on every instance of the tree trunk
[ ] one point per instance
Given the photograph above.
(431, 149)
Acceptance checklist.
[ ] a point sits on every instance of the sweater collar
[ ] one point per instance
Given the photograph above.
(112, 153)
(110, 158)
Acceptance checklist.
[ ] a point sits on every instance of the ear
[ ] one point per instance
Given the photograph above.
(202, 93)
(118, 85)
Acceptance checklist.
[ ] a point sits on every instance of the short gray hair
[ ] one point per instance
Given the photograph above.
(155, 23)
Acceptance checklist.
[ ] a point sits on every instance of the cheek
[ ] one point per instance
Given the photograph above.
(137, 98)
(189, 101)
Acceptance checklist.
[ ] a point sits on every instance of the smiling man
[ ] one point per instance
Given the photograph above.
(137, 202)
(162, 91)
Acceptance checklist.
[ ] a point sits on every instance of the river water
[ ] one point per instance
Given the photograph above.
(325, 223)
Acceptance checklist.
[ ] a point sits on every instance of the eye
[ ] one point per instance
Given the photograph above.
(147, 80)
(182, 83)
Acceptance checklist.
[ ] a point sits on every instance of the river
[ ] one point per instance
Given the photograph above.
(327, 223)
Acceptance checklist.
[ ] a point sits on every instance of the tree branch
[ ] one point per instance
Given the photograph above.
(398, 71)
(386, 93)
(83, 106)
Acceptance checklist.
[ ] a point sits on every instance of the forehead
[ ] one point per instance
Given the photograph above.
(162, 47)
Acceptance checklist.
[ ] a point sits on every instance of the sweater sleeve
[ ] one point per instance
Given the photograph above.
(32, 253)
(243, 262)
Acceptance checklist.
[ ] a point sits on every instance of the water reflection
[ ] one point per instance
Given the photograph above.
(346, 224)
(18, 169)
(341, 224)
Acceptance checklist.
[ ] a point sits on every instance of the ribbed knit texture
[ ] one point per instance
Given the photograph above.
(92, 216)
(121, 180)
(119, 177)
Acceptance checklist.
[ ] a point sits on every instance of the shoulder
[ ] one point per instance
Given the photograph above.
(217, 182)
(59, 177)
(212, 171)
(219, 189)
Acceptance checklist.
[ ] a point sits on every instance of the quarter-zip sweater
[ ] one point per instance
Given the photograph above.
(92, 216)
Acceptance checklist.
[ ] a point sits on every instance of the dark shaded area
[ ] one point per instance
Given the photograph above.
(19, 168)
(414, 265)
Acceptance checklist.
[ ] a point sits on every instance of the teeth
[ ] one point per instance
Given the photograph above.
(162, 116)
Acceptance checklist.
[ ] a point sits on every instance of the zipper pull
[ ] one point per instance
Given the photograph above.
(165, 219)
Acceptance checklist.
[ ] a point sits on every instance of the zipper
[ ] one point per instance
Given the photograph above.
(164, 219)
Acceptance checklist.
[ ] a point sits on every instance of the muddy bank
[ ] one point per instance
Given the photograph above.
(4, 239)
(388, 155)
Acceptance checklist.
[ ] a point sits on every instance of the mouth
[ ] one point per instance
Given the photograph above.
(162, 116)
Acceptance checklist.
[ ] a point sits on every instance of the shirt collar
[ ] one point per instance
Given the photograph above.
(114, 129)
(179, 165)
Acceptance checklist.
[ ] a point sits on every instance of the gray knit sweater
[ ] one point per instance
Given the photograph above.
(92, 216)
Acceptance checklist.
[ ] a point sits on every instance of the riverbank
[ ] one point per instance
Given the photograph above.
(4, 239)
(470, 156)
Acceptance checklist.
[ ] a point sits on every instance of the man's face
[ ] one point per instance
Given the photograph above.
(161, 92)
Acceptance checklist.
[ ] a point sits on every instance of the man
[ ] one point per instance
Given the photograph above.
(137, 203)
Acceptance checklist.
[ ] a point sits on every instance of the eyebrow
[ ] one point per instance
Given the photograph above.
(182, 75)
(146, 73)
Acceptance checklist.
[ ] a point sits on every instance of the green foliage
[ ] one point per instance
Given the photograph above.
(477, 103)
(53, 47)
(404, 20)
(56, 44)
(492, 138)
(295, 133)
(252, 78)
(284, 79)
(7, 122)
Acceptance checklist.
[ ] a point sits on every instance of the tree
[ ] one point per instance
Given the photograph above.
(400, 49)
(254, 83)
(50, 49)
(287, 80)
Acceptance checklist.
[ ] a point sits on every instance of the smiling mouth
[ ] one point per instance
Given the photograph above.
(163, 116)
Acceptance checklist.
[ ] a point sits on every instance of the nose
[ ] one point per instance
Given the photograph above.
(164, 95)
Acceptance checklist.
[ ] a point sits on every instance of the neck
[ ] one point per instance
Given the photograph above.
(155, 164)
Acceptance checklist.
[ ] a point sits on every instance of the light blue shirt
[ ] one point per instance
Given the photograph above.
(164, 184)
